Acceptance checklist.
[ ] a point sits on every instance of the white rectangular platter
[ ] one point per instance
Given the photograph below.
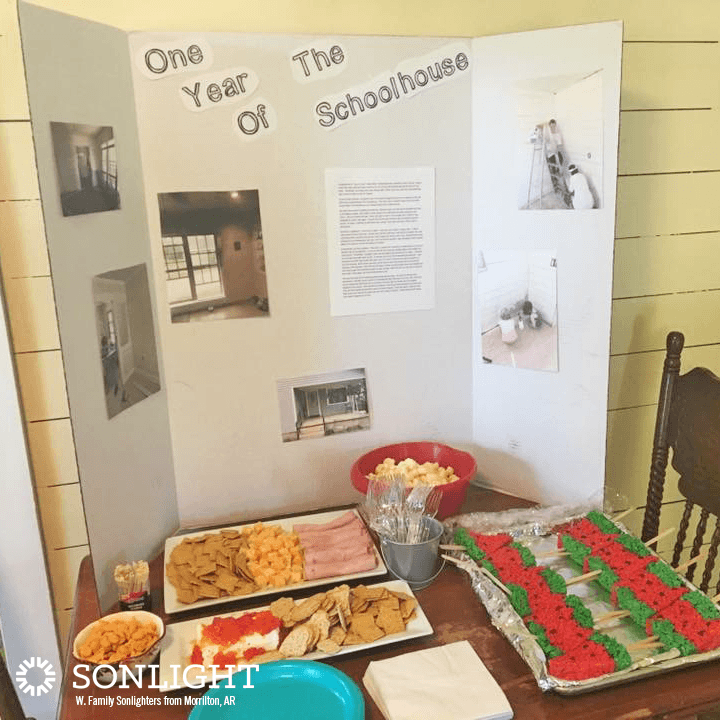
(180, 637)
(173, 605)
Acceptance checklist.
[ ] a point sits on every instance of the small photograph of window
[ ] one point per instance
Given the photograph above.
(86, 164)
(213, 255)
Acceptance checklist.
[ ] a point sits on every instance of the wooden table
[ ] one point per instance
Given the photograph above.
(455, 613)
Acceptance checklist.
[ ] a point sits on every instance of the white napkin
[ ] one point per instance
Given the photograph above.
(449, 682)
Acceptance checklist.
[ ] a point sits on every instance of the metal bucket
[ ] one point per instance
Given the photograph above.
(415, 563)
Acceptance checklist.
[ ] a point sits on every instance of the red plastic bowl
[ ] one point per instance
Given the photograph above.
(453, 494)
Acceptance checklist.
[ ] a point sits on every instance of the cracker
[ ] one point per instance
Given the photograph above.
(296, 643)
(328, 646)
(390, 620)
(364, 626)
(282, 607)
(305, 608)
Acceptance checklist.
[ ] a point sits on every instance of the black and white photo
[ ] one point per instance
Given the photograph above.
(560, 129)
(213, 255)
(518, 309)
(126, 337)
(86, 166)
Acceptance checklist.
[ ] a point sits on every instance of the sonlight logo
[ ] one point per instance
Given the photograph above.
(42, 677)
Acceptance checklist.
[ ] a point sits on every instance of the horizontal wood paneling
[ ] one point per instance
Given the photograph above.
(52, 452)
(669, 75)
(643, 19)
(23, 249)
(63, 518)
(666, 264)
(668, 204)
(31, 306)
(18, 180)
(640, 324)
(64, 566)
(629, 449)
(635, 379)
(42, 385)
(661, 142)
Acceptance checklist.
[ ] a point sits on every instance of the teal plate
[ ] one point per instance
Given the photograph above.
(284, 690)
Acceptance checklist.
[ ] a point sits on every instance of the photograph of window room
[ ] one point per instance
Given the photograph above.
(126, 337)
(86, 168)
(560, 144)
(213, 255)
(326, 404)
(518, 313)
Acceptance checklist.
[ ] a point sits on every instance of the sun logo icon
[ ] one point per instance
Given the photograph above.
(40, 667)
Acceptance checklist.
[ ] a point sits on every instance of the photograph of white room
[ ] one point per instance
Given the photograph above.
(213, 253)
(517, 291)
(326, 404)
(86, 166)
(560, 128)
(126, 337)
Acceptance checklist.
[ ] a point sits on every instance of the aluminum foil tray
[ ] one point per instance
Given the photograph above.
(532, 527)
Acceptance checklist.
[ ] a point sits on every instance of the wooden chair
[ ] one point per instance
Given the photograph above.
(688, 421)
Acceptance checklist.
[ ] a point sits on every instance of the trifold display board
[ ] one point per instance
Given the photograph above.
(272, 253)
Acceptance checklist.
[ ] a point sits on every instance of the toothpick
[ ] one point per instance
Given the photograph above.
(552, 553)
(453, 547)
(622, 514)
(614, 615)
(582, 578)
(684, 566)
(660, 535)
(651, 641)
(643, 648)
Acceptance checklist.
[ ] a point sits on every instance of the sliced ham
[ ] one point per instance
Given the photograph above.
(344, 519)
(358, 564)
(335, 554)
(351, 533)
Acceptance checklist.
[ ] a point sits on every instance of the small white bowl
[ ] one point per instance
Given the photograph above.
(146, 658)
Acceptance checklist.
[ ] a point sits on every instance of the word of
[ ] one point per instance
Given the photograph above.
(163, 59)
(312, 63)
(211, 90)
(402, 83)
(255, 121)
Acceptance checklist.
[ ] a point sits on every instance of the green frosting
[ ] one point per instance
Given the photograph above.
(703, 604)
(640, 613)
(545, 645)
(490, 567)
(581, 614)
(616, 650)
(633, 545)
(607, 526)
(462, 537)
(555, 581)
(526, 556)
(665, 573)
(607, 577)
(669, 637)
(575, 549)
(519, 599)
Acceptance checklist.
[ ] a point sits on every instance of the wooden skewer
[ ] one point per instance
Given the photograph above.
(485, 572)
(453, 560)
(552, 553)
(582, 578)
(684, 566)
(622, 514)
(660, 535)
(651, 641)
(614, 615)
(453, 547)
(642, 648)
(716, 598)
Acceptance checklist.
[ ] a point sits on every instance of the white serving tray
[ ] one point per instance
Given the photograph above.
(173, 605)
(180, 638)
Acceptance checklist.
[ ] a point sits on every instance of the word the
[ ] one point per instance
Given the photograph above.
(400, 84)
(210, 90)
(321, 60)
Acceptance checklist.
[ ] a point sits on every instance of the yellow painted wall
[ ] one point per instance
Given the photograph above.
(667, 248)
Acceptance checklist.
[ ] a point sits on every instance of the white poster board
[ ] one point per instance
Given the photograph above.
(220, 176)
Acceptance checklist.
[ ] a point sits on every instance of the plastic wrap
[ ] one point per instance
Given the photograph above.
(534, 528)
